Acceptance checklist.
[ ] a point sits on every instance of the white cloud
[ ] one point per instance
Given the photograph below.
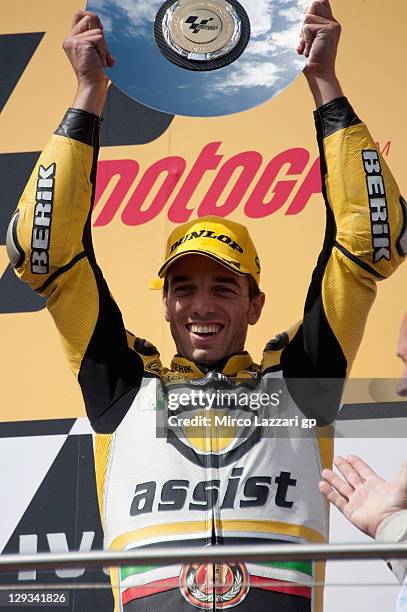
(140, 15)
(249, 74)
(258, 47)
(287, 39)
(260, 16)
(270, 51)
(292, 14)
(303, 4)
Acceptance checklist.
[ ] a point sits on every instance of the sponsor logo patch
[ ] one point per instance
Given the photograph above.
(42, 220)
(206, 584)
(183, 369)
(204, 24)
(378, 206)
(179, 494)
(207, 234)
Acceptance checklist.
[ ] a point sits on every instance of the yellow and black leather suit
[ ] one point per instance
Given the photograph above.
(154, 490)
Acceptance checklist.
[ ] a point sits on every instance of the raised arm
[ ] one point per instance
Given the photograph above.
(89, 55)
(50, 245)
(365, 238)
(319, 43)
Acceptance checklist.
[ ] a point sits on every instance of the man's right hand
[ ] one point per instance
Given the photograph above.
(89, 55)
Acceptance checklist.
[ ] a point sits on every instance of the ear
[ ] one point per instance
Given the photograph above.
(255, 308)
(165, 306)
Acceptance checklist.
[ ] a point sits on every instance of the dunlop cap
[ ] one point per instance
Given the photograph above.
(225, 241)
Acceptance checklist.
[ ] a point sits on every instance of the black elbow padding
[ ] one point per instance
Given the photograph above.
(317, 398)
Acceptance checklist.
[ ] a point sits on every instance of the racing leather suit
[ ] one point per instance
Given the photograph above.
(208, 489)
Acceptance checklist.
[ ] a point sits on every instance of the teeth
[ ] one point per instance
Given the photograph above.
(204, 329)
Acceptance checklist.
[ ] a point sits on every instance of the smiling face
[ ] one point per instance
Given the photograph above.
(209, 309)
(402, 353)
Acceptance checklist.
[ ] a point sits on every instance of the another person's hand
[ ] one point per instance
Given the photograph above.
(361, 495)
(87, 50)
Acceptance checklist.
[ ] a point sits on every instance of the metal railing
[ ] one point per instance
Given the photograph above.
(164, 556)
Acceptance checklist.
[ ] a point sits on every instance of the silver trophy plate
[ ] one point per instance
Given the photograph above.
(202, 58)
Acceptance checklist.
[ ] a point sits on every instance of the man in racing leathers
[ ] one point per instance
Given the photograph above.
(207, 488)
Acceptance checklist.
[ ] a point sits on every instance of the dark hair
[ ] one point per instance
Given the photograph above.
(254, 289)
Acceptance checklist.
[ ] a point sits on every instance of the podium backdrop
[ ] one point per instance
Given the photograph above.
(259, 167)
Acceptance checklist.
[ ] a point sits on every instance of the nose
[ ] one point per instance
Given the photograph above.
(203, 303)
(402, 384)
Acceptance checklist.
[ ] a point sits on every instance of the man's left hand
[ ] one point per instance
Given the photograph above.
(320, 38)
(319, 42)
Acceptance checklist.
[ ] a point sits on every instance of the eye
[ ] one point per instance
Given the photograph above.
(226, 291)
(182, 290)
